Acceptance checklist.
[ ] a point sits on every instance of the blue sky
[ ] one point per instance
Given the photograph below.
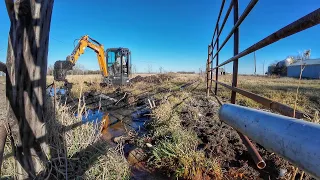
(172, 34)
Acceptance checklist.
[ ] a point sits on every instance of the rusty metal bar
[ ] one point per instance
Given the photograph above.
(219, 101)
(220, 12)
(54, 97)
(242, 17)
(207, 78)
(301, 24)
(253, 151)
(268, 103)
(208, 67)
(224, 22)
(235, 50)
(217, 62)
(209, 57)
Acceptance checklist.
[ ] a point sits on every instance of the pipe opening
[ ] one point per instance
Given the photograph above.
(261, 165)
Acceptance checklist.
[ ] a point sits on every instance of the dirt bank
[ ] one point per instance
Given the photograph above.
(152, 79)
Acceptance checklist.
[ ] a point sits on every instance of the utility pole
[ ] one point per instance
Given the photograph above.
(255, 64)
(264, 61)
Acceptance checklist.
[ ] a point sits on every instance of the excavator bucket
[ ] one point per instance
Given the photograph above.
(60, 70)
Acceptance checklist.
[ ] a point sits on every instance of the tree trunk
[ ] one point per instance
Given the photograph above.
(26, 83)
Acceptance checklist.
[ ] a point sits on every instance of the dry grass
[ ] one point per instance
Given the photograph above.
(78, 82)
(281, 90)
(76, 153)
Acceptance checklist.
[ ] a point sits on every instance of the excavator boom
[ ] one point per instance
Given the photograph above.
(61, 67)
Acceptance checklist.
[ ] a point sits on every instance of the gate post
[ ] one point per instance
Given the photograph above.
(235, 50)
(217, 63)
(209, 72)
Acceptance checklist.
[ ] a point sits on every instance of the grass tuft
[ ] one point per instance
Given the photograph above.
(175, 150)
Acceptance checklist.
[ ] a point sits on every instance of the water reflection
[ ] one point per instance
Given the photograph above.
(59, 91)
(111, 127)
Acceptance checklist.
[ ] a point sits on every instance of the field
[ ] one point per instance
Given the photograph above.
(281, 90)
(183, 137)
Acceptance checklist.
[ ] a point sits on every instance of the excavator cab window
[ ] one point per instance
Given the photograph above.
(111, 58)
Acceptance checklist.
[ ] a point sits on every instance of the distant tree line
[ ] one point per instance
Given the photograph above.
(186, 72)
(78, 69)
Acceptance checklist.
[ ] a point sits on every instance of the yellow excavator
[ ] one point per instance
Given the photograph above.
(114, 63)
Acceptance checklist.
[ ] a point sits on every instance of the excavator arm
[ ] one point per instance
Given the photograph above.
(61, 67)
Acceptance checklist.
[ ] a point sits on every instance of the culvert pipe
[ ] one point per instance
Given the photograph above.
(297, 141)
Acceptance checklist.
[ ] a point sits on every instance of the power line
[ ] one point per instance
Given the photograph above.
(57, 40)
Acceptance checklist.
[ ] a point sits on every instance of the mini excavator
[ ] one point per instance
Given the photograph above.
(114, 63)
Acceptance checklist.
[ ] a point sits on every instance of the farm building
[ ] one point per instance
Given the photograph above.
(311, 70)
(220, 71)
(280, 68)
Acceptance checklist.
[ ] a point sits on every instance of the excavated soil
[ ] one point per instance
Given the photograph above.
(222, 142)
(156, 79)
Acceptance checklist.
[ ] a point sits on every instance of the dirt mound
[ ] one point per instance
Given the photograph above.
(156, 79)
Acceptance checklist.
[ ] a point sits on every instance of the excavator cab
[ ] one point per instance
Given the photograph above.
(119, 63)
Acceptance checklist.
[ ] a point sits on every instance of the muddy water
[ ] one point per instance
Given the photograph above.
(112, 128)
(115, 124)
(119, 123)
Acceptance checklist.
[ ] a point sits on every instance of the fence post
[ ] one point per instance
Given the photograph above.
(217, 63)
(251, 148)
(207, 78)
(208, 71)
(54, 97)
(210, 49)
(235, 50)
